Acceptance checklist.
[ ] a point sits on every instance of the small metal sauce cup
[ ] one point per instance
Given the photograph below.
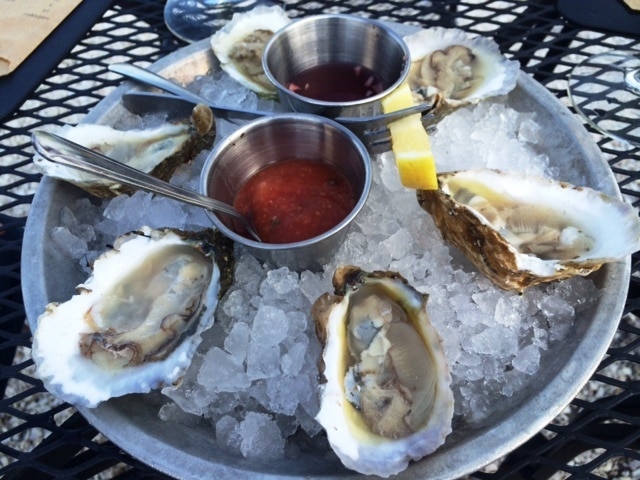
(284, 137)
(327, 39)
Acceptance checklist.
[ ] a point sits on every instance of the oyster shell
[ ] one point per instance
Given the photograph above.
(158, 151)
(459, 67)
(135, 323)
(386, 396)
(525, 230)
(240, 43)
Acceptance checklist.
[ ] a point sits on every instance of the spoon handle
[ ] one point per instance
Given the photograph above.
(148, 77)
(60, 150)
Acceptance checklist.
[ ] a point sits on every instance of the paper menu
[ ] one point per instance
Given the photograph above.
(24, 24)
(633, 4)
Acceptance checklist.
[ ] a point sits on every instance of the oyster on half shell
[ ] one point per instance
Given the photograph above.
(525, 230)
(240, 43)
(135, 323)
(459, 67)
(386, 396)
(158, 151)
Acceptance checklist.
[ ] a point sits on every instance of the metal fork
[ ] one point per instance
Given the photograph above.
(372, 130)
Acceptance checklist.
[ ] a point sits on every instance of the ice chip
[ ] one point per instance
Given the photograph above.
(312, 285)
(506, 312)
(261, 437)
(298, 324)
(527, 360)
(284, 394)
(236, 304)
(530, 131)
(67, 218)
(263, 361)
(279, 283)
(68, 242)
(486, 300)
(389, 175)
(170, 412)
(498, 341)
(293, 360)
(270, 326)
(554, 307)
(228, 434)
(398, 244)
(220, 373)
(116, 209)
(237, 342)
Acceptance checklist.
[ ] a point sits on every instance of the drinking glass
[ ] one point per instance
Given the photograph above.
(605, 91)
(193, 20)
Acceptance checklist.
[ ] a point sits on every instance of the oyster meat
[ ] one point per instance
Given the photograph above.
(385, 398)
(135, 323)
(158, 151)
(460, 68)
(525, 230)
(240, 43)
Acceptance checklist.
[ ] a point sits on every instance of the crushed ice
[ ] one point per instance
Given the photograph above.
(256, 370)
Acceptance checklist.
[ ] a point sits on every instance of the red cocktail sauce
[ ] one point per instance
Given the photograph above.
(295, 200)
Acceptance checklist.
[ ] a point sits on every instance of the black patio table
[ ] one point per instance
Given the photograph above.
(604, 419)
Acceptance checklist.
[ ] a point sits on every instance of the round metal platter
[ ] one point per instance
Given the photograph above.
(190, 452)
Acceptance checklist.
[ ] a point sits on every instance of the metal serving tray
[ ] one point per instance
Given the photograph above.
(190, 452)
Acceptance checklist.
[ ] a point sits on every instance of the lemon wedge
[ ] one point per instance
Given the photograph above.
(410, 143)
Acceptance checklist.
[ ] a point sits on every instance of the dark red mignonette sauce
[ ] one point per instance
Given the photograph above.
(337, 82)
(295, 200)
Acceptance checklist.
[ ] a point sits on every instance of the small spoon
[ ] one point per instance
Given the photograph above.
(139, 102)
(60, 150)
(150, 78)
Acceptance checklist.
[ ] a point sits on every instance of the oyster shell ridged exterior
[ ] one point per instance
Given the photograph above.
(385, 399)
(458, 67)
(158, 151)
(525, 230)
(135, 323)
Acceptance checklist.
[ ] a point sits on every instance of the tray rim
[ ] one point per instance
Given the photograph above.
(469, 454)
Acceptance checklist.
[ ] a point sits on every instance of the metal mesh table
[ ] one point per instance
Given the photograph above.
(41, 438)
